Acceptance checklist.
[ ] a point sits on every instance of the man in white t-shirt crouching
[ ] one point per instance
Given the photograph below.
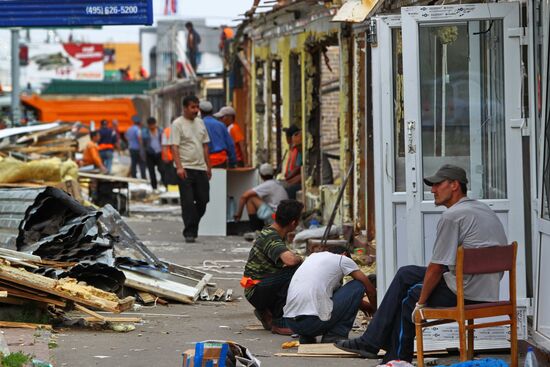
(262, 201)
(318, 304)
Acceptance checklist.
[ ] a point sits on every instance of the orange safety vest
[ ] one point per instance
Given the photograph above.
(166, 151)
(105, 146)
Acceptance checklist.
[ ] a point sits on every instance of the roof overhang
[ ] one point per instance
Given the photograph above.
(355, 11)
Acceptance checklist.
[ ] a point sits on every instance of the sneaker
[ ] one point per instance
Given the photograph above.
(357, 346)
(329, 338)
(281, 330)
(264, 317)
(304, 339)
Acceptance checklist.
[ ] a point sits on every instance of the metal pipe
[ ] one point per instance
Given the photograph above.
(15, 83)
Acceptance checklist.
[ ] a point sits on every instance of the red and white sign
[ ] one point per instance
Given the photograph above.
(74, 61)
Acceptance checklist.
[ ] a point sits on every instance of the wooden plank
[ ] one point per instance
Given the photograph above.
(89, 312)
(323, 349)
(64, 288)
(165, 288)
(37, 135)
(115, 319)
(34, 297)
(3, 294)
(146, 297)
(24, 325)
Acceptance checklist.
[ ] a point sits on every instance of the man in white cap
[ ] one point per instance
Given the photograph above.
(227, 116)
(221, 147)
(262, 201)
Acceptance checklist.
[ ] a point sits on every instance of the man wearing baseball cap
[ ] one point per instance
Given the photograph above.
(221, 147)
(227, 116)
(262, 201)
(466, 222)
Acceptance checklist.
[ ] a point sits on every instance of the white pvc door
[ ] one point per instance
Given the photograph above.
(389, 150)
(462, 83)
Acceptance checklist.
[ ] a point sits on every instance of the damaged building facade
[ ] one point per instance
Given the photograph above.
(417, 84)
(298, 67)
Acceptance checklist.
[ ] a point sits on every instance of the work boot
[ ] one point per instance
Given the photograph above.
(357, 346)
(264, 317)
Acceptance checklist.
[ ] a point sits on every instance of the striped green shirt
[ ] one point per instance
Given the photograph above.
(264, 257)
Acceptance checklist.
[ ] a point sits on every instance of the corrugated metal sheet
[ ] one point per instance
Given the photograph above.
(13, 206)
(355, 11)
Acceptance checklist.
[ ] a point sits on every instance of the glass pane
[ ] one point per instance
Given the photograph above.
(462, 104)
(398, 111)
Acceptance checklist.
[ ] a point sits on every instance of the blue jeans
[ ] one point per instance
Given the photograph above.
(137, 160)
(345, 304)
(107, 158)
(392, 328)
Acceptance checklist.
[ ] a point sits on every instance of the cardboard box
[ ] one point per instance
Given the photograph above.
(206, 354)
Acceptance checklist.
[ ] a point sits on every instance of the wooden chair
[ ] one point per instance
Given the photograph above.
(475, 261)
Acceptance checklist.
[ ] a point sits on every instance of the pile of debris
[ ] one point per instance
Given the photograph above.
(40, 141)
(64, 246)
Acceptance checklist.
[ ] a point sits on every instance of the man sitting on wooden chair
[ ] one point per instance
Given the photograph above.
(466, 221)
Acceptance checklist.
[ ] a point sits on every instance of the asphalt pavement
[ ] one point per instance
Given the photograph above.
(167, 331)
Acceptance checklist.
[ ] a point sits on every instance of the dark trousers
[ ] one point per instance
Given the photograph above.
(345, 304)
(194, 195)
(392, 328)
(154, 160)
(136, 159)
(292, 190)
(271, 292)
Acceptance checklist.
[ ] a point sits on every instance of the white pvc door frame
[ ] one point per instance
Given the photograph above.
(383, 130)
(540, 334)
(417, 206)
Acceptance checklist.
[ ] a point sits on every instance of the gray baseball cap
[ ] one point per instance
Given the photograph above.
(205, 106)
(266, 169)
(225, 111)
(447, 172)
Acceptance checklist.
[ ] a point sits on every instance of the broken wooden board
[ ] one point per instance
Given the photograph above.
(24, 325)
(160, 287)
(324, 349)
(146, 298)
(33, 297)
(66, 288)
(96, 317)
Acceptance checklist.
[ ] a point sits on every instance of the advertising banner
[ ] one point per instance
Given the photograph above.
(74, 61)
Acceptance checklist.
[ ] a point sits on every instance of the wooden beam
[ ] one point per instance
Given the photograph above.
(24, 325)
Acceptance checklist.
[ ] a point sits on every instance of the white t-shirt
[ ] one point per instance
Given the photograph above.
(271, 192)
(312, 286)
(190, 136)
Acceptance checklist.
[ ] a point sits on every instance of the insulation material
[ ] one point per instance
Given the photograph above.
(48, 170)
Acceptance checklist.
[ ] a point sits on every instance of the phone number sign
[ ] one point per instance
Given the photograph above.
(63, 13)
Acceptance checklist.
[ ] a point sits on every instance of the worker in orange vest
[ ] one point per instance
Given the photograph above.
(167, 158)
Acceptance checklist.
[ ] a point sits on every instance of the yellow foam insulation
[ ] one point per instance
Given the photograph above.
(82, 290)
(48, 170)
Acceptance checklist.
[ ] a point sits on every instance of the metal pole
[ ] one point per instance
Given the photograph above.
(15, 83)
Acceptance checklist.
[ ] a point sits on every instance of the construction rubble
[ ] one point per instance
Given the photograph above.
(61, 255)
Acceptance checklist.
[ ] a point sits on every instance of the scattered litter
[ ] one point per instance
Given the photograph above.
(123, 328)
(219, 353)
(102, 357)
(291, 344)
